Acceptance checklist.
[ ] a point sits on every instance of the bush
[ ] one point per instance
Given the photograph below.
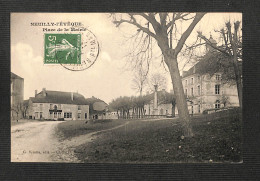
(229, 109)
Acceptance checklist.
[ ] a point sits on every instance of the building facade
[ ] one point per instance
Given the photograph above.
(57, 105)
(208, 92)
(98, 109)
(17, 96)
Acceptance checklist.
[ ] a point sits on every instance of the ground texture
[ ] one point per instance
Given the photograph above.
(217, 138)
(34, 141)
(161, 141)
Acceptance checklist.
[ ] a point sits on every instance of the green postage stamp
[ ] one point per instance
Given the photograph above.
(62, 49)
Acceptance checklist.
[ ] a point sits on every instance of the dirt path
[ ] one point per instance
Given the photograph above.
(33, 141)
(37, 142)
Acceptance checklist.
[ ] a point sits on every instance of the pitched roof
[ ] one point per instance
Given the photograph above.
(59, 97)
(210, 63)
(203, 60)
(96, 105)
(14, 76)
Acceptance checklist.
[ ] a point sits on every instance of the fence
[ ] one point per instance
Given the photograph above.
(143, 116)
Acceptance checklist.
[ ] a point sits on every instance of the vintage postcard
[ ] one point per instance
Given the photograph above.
(126, 87)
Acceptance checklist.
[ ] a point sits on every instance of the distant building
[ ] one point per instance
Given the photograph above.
(161, 103)
(17, 95)
(97, 108)
(205, 91)
(57, 105)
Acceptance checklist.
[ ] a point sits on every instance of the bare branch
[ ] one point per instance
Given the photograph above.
(210, 44)
(186, 34)
(133, 22)
(177, 17)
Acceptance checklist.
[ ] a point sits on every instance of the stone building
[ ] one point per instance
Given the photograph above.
(205, 91)
(17, 96)
(97, 108)
(57, 105)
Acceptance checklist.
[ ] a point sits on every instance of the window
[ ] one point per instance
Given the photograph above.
(186, 82)
(40, 115)
(191, 81)
(217, 89)
(55, 114)
(198, 78)
(55, 107)
(79, 108)
(198, 89)
(51, 106)
(191, 91)
(86, 115)
(199, 108)
(217, 104)
(217, 77)
(67, 115)
(191, 109)
(59, 115)
(79, 115)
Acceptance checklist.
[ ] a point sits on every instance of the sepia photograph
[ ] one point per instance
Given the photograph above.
(161, 87)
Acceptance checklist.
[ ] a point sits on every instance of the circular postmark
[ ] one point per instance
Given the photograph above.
(87, 53)
(76, 50)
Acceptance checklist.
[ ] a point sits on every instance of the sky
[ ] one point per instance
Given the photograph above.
(110, 76)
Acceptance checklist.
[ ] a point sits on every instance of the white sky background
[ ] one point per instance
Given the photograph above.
(107, 78)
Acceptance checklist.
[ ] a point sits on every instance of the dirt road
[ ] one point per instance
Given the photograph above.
(34, 142)
(37, 142)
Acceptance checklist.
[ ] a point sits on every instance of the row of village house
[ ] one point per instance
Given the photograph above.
(203, 92)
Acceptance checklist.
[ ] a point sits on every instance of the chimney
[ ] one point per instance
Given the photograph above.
(72, 96)
(155, 102)
(212, 42)
(44, 92)
(35, 92)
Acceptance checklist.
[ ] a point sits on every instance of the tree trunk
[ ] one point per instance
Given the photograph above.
(180, 97)
(173, 110)
(237, 75)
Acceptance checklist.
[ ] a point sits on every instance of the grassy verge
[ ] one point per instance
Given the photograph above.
(218, 140)
(22, 121)
(69, 129)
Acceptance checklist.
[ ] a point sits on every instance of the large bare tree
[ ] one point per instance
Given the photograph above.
(160, 27)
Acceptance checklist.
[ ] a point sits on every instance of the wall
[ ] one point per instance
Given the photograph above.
(161, 109)
(17, 96)
(207, 97)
